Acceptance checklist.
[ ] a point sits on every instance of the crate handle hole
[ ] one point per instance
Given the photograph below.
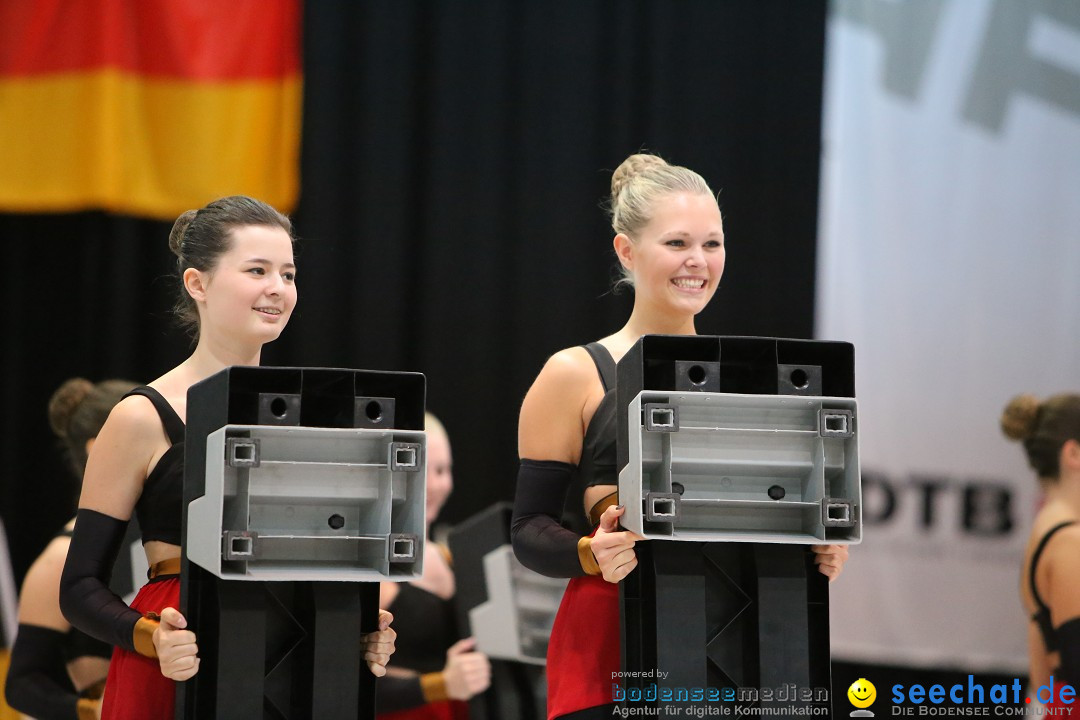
(241, 546)
(663, 417)
(663, 507)
(279, 407)
(373, 410)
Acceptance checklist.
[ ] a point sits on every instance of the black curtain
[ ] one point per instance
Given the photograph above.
(455, 156)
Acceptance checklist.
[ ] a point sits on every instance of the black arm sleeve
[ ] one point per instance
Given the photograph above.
(37, 680)
(85, 597)
(393, 693)
(1068, 637)
(539, 541)
(78, 644)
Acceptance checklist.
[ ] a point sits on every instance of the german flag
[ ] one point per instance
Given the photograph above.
(148, 107)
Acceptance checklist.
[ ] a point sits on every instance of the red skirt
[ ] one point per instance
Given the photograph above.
(584, 650)
(443, 710)
(135, 688)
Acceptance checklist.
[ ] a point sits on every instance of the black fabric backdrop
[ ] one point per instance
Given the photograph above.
(454, 159)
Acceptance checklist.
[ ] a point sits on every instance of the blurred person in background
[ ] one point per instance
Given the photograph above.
(58, 672)
(434, 671)
(8, 622)
(1050, 581)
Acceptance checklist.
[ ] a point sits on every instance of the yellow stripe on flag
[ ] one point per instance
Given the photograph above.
(135, 145)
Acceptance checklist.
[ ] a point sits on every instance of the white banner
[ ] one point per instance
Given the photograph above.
(950, 255)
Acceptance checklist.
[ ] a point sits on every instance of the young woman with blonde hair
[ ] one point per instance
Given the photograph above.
(669, 240)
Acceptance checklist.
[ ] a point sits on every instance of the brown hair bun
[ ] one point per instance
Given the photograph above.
(65, 401)
(1018, 418)
(176, 235)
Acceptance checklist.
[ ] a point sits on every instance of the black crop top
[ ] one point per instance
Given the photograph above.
(160, 507)
(430, 629)
(599, 455)
(1042, 615)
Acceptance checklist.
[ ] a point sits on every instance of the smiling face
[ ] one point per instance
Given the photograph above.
(678, 257)
(250, 293)
(862, 693)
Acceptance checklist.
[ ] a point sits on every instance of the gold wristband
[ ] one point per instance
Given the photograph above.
(433, 687)
(143, 637)
(586, 557)
(86, 709)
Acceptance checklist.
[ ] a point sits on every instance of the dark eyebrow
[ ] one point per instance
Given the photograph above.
(264, 261)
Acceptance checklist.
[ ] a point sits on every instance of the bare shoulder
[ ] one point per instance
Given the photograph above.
(568, 369)
(550, 426)
(135, 415)
(51, 560)
(39, 601)
(565, 380)
(1062, 558)
(128, 443)
(131, 435)
(1063, 550)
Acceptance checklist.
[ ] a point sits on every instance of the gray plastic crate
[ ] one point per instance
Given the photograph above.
(307, 503)
(744, 468)
(516, 620)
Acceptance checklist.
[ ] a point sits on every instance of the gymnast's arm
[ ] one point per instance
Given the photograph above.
(115, 472)
(396, 690)
(1063, 598)
(466, 673)
(550, 436)
(37, 682)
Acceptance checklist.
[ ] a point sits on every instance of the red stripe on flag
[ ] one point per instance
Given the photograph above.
(179, 39)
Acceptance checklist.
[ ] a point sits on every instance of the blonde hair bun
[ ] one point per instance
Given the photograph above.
(65, 401)
(630, 168)
(1018, 418)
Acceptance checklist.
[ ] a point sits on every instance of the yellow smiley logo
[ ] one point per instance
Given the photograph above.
(862, 693)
